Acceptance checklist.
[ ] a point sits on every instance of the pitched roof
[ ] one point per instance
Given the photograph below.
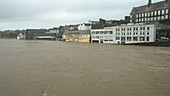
(153, 7)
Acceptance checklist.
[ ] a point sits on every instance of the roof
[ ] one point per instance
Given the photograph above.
(77, 32)
(36, 30)
(153, 7)
(87, 24)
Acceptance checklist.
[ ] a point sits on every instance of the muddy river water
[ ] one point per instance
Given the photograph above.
(51, 68)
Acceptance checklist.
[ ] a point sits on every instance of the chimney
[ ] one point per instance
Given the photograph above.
(149, 3)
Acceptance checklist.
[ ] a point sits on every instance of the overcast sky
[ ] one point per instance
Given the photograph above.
(23, 14)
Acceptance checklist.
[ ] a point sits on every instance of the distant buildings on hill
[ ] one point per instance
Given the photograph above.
(146, 23)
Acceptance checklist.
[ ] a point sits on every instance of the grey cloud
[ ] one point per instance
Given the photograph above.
(49, 13)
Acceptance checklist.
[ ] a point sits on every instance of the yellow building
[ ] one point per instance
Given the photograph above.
(77, 36)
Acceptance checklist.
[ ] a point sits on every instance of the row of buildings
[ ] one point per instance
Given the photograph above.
(146, 23)
(120, 34)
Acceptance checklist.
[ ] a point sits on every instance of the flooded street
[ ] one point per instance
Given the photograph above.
(51, 68)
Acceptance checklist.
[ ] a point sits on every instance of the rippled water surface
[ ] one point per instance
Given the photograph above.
(51, 68)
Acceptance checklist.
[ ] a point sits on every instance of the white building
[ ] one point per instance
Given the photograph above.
(125, 34)
(84, 26)
(20, 36)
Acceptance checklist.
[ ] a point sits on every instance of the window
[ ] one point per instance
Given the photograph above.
(135, 38)
(154, 18)
(166, 17)
(97, 32)
(148, 19)
(101, 32)
(133, 33)
(93, 32)
(129, 38)
(145, 19)
(143, 28)
(147, 28)
(151, 13)
(162, 17)
(159, 12)
(136, 28)
(117, 38)
(136, 20)
(159, 17)
(131, 21)
(105, 32)
(140, 28)
(147, 38)
(140, 33)
(110, 32)
(142, 38)
(142, 14)
(97, 37)
(145, 14)
(166, 11)
(147, 33)
(130, 16)
(148, 14)
(155, 13)
(136, 15)
(163, 12)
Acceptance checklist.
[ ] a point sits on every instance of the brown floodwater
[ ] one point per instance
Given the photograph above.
(51, 68)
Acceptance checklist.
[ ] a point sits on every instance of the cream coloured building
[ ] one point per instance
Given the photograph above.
(125, 34)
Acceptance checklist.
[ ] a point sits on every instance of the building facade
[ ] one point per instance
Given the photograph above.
(125, 34)
(152, 12)
(77, 36)
(31, 34)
